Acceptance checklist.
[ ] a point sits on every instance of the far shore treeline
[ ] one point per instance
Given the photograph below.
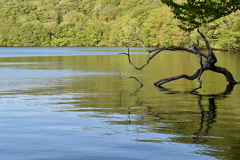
(105, 23)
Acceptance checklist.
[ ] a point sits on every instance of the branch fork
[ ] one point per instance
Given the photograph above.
(209, 64)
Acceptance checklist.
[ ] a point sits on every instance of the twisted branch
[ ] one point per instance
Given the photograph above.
(159, 50)
(209, 64)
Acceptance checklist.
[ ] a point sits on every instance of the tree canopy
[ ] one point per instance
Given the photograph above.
(105, 23)
(193, 13)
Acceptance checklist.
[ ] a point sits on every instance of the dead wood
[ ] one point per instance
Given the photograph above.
(209, 64)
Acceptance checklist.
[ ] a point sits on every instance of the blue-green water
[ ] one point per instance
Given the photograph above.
(69, 103)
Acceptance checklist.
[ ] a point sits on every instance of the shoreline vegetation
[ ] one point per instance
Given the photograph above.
(49, 23)
(214, 49)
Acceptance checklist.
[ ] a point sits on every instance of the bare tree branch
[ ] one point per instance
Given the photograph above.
(211, 57)
(136, 38)
(141, 85)
(201, 69)
(209, 64)
(159, 50)
(165, 80)
(120, 76)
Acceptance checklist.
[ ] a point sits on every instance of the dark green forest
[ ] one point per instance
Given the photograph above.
(105, 23)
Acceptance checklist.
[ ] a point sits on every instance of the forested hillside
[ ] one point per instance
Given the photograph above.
(104, 23)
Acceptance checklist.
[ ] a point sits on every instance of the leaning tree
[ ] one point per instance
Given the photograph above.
(192, 14)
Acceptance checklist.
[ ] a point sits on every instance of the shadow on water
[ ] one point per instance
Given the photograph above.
(208, 116)
(200, 132)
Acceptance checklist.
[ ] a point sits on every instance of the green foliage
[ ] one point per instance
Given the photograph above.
(193, 13)
(104, 23)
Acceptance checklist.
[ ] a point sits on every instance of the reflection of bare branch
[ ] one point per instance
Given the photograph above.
(228, 90)
(129, 117)
(207, 116)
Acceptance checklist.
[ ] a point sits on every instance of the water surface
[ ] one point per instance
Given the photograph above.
(69, 103)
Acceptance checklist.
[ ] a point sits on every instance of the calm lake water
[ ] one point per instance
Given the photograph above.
(69, 103)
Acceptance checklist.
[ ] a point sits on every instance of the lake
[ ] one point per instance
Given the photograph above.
(70, 103)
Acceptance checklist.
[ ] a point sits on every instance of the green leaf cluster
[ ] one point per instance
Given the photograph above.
(104, 23)
(193, 13)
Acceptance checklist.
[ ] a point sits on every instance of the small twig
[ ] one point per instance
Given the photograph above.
(120, 76)
(138, 39)
(200, 86)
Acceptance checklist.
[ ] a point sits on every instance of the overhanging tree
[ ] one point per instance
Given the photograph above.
(192, 14)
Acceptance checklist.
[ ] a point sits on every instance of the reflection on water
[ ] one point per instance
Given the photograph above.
(77, 107)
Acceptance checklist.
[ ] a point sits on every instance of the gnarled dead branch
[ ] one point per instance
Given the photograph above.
(209, 64)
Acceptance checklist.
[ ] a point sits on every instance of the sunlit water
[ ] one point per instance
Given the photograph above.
(70, 103)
